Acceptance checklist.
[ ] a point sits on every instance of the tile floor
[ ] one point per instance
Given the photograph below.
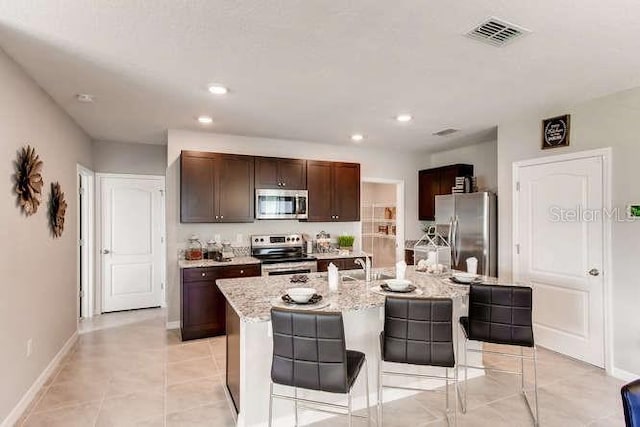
(127, 370)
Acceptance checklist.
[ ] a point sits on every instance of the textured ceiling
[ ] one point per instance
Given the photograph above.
(318, 70)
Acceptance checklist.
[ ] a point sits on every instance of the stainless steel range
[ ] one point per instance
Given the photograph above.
(282, 254)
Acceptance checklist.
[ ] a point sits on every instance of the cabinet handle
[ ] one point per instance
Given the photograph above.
(337, 216)
(284, 184)
(216, 216)
(221, 216)
(241, 271)
(204, 274)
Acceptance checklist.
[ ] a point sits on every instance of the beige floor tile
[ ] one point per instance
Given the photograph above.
(191, 370)
(70, 393)
(184, 396)
(80, 415)
(192, 350)
(217, 414)
(126, 381)
(131, 409)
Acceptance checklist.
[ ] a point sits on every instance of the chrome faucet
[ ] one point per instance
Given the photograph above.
(366, 265)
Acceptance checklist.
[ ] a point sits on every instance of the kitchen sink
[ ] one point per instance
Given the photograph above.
(359, 275)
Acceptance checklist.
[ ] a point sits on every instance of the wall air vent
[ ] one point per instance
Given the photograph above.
(445, 132)
(496, 32)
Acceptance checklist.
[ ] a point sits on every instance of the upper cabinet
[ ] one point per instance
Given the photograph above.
(435, 182)
(288, 174)
(216, 187)
(334, 191)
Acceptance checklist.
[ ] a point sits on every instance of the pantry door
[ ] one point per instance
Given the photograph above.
(560, 250)
(132, 241)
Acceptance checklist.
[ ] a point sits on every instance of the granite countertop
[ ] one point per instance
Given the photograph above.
(252, 298)
(211, 263)
(336, 255)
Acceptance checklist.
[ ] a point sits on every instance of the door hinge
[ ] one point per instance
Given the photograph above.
(81, 191)
(518, 186)
(162, 285)
(518, 248)
(81, 294)
(81, 243)
(161, 193)
(161, 239)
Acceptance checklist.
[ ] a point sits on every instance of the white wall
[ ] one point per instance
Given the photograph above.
(389, 164)
(483, 157)
(611, 121)
(38, 294)
(137, 159)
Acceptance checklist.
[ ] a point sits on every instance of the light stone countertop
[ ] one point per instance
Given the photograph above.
(252, 298)
(336, 255)
(211, 263)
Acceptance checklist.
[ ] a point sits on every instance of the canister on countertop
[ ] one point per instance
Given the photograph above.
(194, 249)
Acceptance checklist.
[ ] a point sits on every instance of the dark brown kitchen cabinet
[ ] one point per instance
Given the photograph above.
(290, 174)
(334, 191)
(409, 256)
(341, 263)
(202, 308)
(435, 182)
(216, 187)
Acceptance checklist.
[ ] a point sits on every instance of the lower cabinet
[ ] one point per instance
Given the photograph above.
(341, 263)
(408, 256)
(202, 308)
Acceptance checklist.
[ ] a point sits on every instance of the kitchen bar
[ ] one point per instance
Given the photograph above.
(249, 341)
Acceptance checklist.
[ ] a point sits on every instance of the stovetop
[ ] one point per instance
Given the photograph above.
(279, 258)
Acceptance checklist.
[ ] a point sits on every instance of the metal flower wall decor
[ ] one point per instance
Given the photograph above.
(57, 209)
(28, 180)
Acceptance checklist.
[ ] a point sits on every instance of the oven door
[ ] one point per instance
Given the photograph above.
(289, 268)
(281, 204)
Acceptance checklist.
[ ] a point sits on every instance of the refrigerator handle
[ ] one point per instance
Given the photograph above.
(455, 239)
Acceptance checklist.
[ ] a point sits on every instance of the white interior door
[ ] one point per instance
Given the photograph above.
(132, 240)
(560, 242)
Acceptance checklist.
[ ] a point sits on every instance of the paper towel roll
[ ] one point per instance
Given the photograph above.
(401, 268)
(334, 278)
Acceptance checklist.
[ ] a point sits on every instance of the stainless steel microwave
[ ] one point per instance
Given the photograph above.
(281, 204)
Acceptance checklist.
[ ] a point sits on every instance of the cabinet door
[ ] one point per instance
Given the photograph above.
(267, 172)
(293, 174)
(198, 192)
(200, 306)
(346, 192)
(448, 179)
(319, 185)
(236, 191)
(428, 189)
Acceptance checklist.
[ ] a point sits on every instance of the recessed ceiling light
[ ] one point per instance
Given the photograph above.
(403, 118)
(205, 120)
(85, 98)
(218, 90)
(357, 137)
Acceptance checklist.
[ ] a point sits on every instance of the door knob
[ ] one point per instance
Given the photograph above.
(594, 272)
(106, 251)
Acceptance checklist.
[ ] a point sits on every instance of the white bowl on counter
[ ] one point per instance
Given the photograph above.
(301, 295)
(465, 277)
(398, 284)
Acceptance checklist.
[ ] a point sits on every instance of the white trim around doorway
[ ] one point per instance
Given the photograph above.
(606, 155)
(400, 220)
(97, 289)
(85, 254)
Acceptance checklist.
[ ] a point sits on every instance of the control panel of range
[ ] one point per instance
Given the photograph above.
(276, 240)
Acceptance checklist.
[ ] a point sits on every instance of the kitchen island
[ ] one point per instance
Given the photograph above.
(249, 340)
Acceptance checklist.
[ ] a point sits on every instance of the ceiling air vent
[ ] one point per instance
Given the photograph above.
(496, 32)
(445, 132)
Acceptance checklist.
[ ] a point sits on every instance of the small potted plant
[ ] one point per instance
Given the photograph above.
(346, 242)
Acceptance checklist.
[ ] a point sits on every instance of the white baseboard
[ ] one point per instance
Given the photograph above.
(623, 375)
(23, 404)
(173, 325)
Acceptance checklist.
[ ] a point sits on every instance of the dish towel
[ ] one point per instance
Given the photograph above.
(333, 276)
(401, 268)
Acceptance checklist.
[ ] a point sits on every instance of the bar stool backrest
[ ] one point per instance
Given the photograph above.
(309, 350)
(418, 331)
(501, 314)
(631, 403)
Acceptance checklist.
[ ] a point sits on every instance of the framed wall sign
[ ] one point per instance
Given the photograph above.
(555, 132)
(633, 211)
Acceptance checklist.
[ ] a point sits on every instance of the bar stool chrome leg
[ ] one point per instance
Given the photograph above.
(295, 403)
(380, 397)
(349, 410)
(270, 403)
(366, 382)
(535, 383)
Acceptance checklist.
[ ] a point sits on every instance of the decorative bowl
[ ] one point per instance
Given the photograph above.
(465, 277)
(301, 295)
(398, 284)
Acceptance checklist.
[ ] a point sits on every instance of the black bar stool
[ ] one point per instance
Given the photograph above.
(309, 352)
(417, 331)
(501, 315)
(631, 403)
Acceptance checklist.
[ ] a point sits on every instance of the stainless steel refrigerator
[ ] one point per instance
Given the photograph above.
(469, 222)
